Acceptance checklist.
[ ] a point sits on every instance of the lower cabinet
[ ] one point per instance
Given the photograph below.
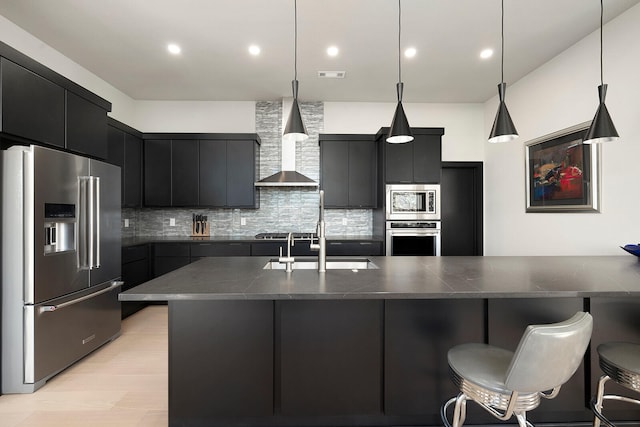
(221, 362)
(335, 346)
(201, 250)
(135, 270)
(354, 248)
(169, 257)
(362, 362)
(418, 335)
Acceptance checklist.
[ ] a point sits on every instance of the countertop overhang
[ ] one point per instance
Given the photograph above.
(243, 278)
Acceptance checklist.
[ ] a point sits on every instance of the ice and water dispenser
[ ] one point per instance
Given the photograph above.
(59, 228)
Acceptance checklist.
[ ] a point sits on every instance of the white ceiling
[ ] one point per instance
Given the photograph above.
(124, 42)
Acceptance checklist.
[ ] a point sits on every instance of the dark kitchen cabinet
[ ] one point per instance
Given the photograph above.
(171, 172)
(157, 173)
(348, 170)
(273, 247)
(228, 378)
(32, 106)
(209, 249)
(125, 150)
(207, 170)
(184, 176)
(416, 162)
(135, 270)
(169, 256)
(354, 248)
(213, 172)
(416, 381)
(86, 127)
(227, 171)
(335, 346)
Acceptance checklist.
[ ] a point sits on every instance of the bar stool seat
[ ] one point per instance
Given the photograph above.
(507, 383)
(620, 362)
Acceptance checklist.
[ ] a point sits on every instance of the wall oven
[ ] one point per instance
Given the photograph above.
(413, 220)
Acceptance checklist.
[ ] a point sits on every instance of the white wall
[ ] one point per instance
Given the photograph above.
(560, 94)
(195, 116)
(16, 37)
(463, 123)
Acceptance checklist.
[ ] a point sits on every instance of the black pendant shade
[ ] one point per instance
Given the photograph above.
(503, 129)
(400, 132)
(602, 128)
(295, 128)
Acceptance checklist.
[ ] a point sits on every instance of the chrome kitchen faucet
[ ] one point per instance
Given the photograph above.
(321, 246)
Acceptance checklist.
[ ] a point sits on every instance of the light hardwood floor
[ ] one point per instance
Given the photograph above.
(124, 383)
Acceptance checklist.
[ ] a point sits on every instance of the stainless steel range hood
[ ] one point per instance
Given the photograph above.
(287, 176)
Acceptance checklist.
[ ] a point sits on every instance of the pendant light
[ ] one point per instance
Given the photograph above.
(295, 129)
(400, 131)
(602, 128)
(503, 129)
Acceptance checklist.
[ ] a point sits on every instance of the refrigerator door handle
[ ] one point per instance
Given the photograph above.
(96, 217)
(91, 215)
(84, 230)
(46, 308)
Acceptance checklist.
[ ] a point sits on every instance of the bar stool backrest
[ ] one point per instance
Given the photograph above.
(548, 355)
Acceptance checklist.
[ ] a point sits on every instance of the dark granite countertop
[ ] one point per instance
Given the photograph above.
(140, 240)
(400, 278)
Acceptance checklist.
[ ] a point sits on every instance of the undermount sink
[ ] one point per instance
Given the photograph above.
(332, 264)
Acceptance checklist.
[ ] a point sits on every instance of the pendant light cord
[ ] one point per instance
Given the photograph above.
(399, 49)
(502, 44)
(601, 19)
(295, 39)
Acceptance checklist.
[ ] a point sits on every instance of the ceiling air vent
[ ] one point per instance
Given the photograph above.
(331, 74)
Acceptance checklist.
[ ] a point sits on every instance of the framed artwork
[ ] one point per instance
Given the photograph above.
(562, 173)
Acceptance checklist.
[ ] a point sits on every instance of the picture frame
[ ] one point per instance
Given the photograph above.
(562, 174)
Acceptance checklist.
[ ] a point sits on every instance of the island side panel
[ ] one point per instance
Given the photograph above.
(220, 361)
(508, 319)
(615, 319)
(418, 335)
(330, 357)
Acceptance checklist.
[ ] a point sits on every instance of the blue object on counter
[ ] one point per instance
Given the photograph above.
(632, 249)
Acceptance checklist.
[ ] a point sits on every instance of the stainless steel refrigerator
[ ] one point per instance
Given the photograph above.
(60, 262)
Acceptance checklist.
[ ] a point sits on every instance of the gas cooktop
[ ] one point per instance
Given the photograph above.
(283, 236)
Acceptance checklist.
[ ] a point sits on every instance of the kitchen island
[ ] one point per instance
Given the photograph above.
(367, 347)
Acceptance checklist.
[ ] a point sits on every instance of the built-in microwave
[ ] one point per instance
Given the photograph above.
(413, 202)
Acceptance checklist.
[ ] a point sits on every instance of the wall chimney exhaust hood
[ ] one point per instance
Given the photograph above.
(287, 177)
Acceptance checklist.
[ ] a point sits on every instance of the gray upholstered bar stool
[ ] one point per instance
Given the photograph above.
(506, 383)
(620, 362)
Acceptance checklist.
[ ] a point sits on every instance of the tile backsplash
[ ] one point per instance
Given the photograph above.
(281, 209)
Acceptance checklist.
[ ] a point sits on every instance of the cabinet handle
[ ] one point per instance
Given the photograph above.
(335, 243)
(366, 243)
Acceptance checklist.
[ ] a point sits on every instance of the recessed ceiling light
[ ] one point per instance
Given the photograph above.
(410, 52)
(332, 51)
(254, 50)
(173, 48)
(487, 53)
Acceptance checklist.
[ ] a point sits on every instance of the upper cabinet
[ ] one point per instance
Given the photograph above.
(348, 170)
(39, 106)
(206, 170)
(416, 162)
(32, 106)
(86, 127)
(125, 150)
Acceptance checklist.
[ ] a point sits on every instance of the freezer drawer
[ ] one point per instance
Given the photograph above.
(68, 333)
